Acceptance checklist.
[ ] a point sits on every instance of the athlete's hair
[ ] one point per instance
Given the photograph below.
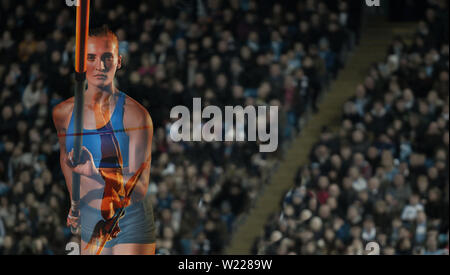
(104, 31)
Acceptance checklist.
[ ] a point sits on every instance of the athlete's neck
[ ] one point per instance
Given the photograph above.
(100, 95)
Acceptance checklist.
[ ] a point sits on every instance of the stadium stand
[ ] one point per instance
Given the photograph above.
(383, 175)
(226, 52)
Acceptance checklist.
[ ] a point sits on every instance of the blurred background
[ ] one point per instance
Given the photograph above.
(363, 124)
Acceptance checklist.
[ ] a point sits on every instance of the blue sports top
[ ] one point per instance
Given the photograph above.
(102, 143)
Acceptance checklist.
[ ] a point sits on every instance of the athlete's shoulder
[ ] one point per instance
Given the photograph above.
(62, 111)
(135, 113)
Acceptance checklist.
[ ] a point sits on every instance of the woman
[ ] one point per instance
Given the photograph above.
(115, 157)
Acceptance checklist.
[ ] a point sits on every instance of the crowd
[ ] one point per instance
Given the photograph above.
(383, 177)
(239, 52)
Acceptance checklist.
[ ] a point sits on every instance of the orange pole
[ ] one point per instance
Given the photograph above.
(82, 27)
(82, 30)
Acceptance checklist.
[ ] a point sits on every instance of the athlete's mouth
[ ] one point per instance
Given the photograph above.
(102, 76)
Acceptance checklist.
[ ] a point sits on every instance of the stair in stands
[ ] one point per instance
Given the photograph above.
(375, 39)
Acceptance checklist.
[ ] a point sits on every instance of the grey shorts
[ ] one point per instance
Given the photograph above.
(137, 226)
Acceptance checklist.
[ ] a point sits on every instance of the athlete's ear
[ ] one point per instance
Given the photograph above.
(119, 63)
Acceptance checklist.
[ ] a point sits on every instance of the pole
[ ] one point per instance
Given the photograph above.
(82, 27)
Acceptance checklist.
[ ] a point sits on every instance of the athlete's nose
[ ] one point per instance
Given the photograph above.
(101, 65)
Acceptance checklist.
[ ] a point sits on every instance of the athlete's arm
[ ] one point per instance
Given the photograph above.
(139, 127)
(60, 114)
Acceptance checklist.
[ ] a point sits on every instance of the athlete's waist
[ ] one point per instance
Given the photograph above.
(87, 208)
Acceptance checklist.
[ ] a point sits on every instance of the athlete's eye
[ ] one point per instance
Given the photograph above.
(91, 57)
(107, 57)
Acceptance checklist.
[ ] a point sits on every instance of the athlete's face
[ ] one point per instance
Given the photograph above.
(102, 61)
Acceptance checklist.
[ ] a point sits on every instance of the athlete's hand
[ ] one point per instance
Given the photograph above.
(86, 166)
(73, 221)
